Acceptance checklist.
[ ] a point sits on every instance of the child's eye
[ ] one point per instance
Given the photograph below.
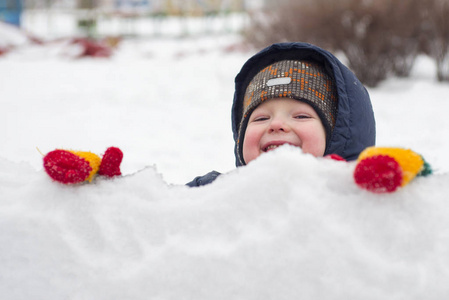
(302, 117)
(258, 119)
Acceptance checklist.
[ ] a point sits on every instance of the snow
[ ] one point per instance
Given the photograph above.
(286, 226)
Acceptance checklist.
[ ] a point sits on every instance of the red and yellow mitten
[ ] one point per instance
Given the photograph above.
(383, 169)
(70, 167)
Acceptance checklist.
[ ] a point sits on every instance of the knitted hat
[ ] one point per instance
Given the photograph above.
(301, 80)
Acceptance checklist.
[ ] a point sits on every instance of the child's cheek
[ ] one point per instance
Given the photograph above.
(314, 141)
(251, 144)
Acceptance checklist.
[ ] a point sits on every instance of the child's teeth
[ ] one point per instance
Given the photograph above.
(272, 147)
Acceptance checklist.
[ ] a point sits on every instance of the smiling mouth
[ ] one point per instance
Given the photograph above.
(272, 147)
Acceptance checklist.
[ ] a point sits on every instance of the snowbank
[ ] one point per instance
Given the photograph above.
(286, 226)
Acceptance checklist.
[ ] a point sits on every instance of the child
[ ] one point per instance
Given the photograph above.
(302, 95)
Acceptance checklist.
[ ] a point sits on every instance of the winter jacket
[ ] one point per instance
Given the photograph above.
(355, 124)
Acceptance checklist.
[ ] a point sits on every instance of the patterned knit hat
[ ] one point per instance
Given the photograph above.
(301, 80)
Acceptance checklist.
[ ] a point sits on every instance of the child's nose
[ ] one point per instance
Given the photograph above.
(278, 125)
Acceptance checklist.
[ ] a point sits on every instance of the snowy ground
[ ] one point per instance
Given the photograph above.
(284, 227)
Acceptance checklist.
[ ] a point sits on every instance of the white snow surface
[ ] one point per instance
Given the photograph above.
(286, 226)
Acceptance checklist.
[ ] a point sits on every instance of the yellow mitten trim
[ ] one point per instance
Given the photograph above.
(410, 162)
(93, 159)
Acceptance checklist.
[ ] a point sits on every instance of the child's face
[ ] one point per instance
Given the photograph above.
(283, 121)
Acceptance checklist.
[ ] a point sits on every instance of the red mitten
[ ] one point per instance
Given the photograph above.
(110, 164)
(71, 167)
(335, 157)
(384, 170)
(66, 167)
(378, 174)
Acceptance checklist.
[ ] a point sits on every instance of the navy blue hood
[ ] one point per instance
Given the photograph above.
(355, 125)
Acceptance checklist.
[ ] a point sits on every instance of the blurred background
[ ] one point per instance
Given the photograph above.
(155, 77)
(378, 37)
